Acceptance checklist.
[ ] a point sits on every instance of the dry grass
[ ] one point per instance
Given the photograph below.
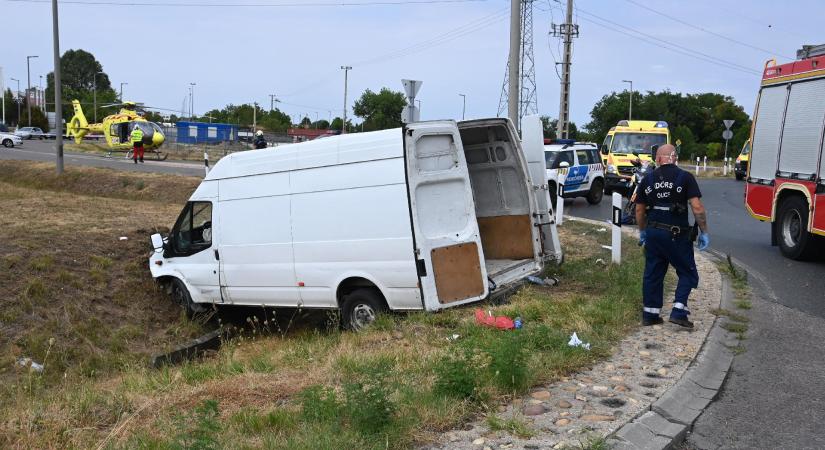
(307, 385)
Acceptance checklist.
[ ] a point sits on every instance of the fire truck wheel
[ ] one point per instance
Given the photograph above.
(795, 242)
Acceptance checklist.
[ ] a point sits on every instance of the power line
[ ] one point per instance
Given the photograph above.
(463, 30)
(669, 45)
(255, 5)
(455, 33)
(713, 33)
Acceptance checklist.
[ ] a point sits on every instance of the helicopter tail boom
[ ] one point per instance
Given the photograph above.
(78, 126)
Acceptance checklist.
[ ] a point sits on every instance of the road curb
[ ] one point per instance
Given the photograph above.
(668, 420)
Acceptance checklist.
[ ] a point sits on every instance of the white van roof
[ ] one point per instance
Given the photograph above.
(342, 149)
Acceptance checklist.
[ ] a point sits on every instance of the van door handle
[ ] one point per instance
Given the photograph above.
(217, 256)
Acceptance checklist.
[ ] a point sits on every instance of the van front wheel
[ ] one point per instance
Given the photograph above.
(180, 295)
(360, 308)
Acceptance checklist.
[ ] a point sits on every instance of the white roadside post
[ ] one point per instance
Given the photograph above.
(697, 165)
(205, 163)
(617, 228)
(705, 163)
(560, 198)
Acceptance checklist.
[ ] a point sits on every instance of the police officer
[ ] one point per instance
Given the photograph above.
(662, 215)
(137, 143)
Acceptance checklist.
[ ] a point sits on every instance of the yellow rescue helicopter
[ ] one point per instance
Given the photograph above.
(117, 129)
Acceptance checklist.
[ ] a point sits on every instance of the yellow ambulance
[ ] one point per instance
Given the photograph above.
(740, 168)
(641, 137)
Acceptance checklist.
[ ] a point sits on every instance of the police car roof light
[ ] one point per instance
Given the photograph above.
(564, 141)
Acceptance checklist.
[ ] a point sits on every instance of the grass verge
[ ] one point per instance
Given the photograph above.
(400, 383)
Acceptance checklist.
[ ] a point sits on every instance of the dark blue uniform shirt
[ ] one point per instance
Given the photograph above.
(666, 185)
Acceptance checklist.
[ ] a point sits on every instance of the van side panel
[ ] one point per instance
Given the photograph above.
(352, 220)
(256, 240)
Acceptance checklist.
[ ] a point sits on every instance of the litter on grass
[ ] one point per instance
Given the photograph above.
(602, 230)
(549, 281)
(123, 238)
(576, 342)
(28, 362)
(607, 247)
(488, 319)
(453, 337)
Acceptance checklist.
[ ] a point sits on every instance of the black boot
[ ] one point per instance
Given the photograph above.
(681, 322)
(646, 322)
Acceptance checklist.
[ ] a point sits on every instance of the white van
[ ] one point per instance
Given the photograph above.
(433, 215)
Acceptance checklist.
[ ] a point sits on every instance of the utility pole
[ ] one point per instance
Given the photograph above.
(630, 108)
(513, 69)
(58, 109)
(271, 102)
(254, 116)
(29, 88)
(42, 95)
(346, 70)
(192, 100)
(568, 30)
(121, 91)
(463, 105)
(18, 101)
(3, 94)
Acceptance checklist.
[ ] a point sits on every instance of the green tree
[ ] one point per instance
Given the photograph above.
(696, 119)
(550, 127)
(78, 71)
(321, 124)
(380, 111)
(337, 125)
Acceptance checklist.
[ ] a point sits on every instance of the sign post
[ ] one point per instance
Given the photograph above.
(410, 113)
(727, 135)
(560, 199)
(617, 228)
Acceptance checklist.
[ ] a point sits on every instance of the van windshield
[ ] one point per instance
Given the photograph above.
(639, 142)
(747, 148)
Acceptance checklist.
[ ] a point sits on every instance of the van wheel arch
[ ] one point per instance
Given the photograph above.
(179, 293)
(358, 297)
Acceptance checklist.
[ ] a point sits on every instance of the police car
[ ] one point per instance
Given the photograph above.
(579, 167)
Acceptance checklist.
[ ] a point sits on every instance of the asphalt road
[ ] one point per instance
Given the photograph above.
(774, 395)
(36, 150)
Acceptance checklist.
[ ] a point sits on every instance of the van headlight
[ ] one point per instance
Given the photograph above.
(611, 168)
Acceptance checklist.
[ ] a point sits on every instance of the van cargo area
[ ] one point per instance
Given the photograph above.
(502, 202)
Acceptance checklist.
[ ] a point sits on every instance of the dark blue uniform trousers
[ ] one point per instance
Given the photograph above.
(660, 250)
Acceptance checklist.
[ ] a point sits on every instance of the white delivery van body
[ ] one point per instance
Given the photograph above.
(433, 215)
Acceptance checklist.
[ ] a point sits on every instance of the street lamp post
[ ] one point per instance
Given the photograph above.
(18, 101)
(121, 91)
(463, 105)
(42, 95)
(630, 108)
(29, 87)
(94, 92)
(346, 70)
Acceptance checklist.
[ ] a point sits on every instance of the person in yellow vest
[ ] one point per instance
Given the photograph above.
(137, 142)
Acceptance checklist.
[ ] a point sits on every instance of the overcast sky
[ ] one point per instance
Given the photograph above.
(239, 54)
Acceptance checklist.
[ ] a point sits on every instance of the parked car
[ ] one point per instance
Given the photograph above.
(10, 140)
(434, 215)
(30, 133)
(580, 166)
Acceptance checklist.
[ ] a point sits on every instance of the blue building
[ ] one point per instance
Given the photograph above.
(202, 132)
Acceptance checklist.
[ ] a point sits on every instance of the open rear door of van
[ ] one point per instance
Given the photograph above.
(448, 250)
(532, 143)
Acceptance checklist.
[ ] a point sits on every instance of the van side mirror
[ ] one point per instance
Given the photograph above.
(604, 150)
(157, 242)
(564, 164)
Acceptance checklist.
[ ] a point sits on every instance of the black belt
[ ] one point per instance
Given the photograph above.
(675, 230)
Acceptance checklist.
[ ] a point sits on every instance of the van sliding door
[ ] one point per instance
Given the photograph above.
(448, 243)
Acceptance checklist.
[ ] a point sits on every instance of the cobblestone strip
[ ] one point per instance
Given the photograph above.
(626, 398)
(672, 416)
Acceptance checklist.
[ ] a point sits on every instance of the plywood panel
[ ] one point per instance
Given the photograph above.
(506, 237)
(457, 272)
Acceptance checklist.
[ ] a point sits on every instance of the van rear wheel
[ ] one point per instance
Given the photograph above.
(180, 295)
(360, 308)
(795, 242)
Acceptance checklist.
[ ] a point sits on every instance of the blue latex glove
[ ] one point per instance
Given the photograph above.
(642, 237)
(704, 240)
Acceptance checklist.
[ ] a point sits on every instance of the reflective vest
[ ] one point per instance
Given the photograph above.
(137, 135)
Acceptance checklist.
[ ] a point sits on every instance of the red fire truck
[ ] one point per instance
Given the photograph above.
(785, 182)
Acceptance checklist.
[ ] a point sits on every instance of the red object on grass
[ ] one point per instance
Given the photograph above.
(500, 322)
